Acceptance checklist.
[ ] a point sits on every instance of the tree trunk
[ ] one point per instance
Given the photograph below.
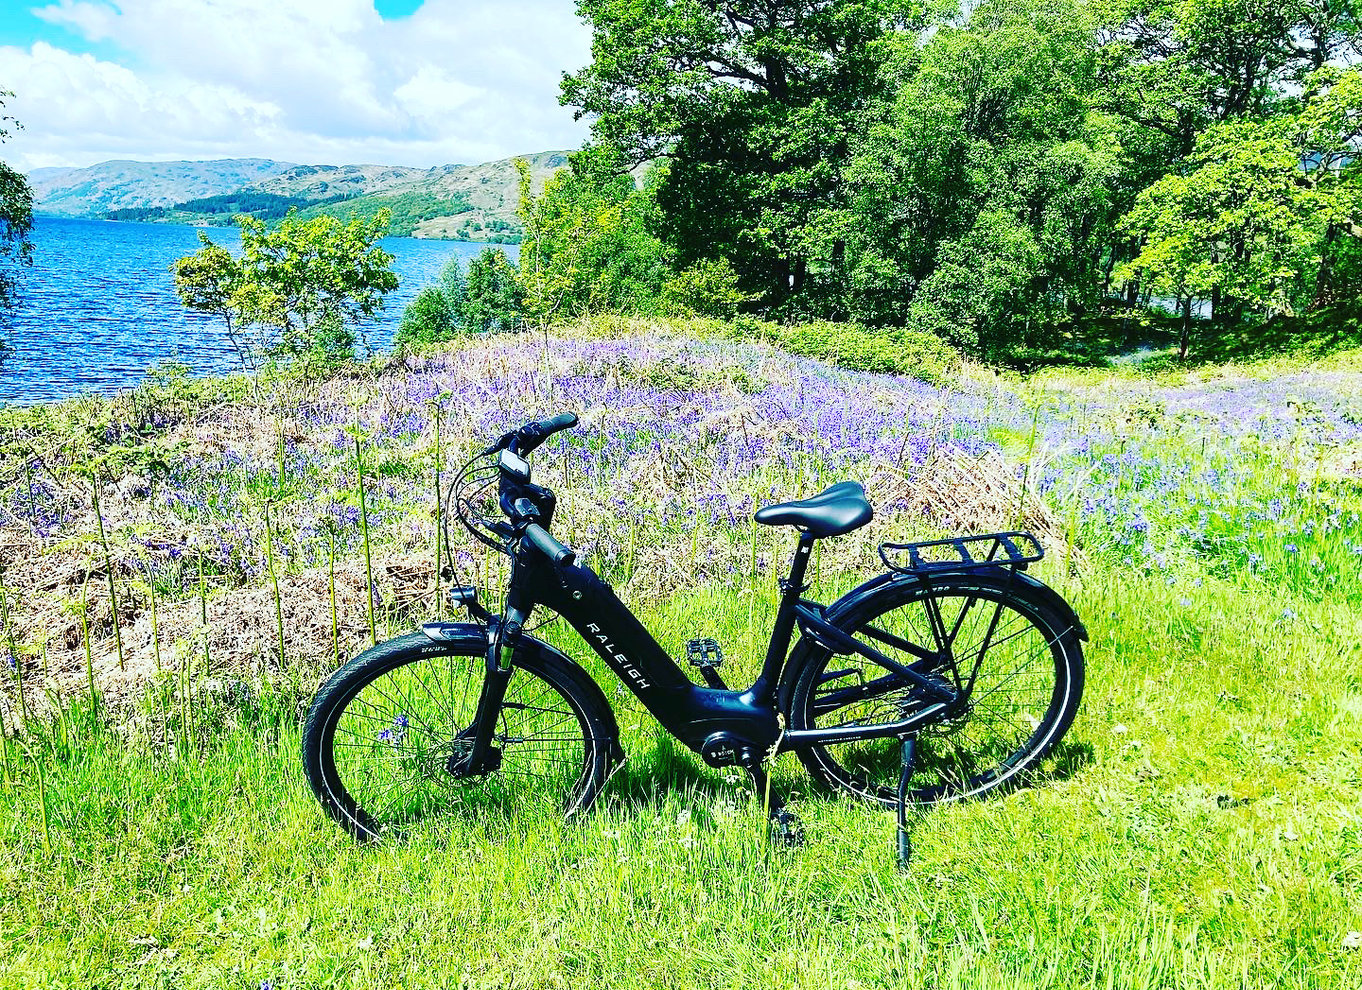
(1186, 327)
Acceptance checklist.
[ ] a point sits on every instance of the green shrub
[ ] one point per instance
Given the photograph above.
(494, 298)
(890, 352)
(707, 288)
(427, 319)
(488, 298)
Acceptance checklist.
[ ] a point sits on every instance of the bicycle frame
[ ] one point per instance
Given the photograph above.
(727, 726)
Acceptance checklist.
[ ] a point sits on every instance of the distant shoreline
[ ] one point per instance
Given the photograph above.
(168, 222)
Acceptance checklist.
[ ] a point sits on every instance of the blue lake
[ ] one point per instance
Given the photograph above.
(98, 306)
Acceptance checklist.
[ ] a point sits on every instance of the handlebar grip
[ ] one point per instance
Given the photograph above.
(531, 435)
(543, 541)
(563, 421)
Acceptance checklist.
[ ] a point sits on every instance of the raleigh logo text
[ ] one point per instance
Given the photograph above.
(617, 659)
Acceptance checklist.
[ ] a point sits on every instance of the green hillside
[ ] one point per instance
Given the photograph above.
(408, 209)
(460, 202)
(122, 185)
(217, 209)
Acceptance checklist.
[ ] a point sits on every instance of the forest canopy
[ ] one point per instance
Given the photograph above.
(1006, 176)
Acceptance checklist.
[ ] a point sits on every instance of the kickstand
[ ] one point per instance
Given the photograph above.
(905, 843)
(787, 830)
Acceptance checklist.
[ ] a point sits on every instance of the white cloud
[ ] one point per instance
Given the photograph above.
(318, 81)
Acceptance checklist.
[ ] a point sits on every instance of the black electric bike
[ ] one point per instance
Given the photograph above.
(949, 676)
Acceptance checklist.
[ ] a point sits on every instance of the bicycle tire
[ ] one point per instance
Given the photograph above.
(399, 709)
(961, 758)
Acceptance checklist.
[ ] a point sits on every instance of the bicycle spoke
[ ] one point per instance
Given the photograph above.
(1010, 659)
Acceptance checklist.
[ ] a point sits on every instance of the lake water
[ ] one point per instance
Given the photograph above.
(99, 307)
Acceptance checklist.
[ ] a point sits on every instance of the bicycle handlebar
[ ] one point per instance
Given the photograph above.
(534, 434)
(524, 440)
(542, 540)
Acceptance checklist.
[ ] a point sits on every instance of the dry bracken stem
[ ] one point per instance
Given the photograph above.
(108, 566)
(207, 658)
(42, 804)
(1026, 471)
(4, 748)
(13, 653)
(439, 527)
(283, 468)
(89, 658)
(331, 582)
(28, 475)
(368, 558)
(274, 582)
(182, 675)
(19, 685)
(155, 629)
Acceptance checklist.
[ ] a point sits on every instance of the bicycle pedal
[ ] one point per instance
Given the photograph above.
(787, 831)
(704, 653)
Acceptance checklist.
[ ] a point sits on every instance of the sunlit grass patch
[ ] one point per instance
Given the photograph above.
(1198, 827)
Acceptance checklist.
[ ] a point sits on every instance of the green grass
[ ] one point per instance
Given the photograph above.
(1200, 827)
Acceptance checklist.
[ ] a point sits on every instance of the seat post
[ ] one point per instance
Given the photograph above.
(782, 632)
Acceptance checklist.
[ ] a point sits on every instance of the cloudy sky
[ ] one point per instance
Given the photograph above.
(400, 82)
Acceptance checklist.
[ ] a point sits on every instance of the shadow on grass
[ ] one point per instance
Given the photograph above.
(1150, 338)
(650, 773)
(1065, 761)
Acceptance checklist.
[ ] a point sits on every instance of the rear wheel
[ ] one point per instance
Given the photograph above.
(1029, 680)
(379, 737)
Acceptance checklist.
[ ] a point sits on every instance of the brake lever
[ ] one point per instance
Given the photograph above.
(501, 444)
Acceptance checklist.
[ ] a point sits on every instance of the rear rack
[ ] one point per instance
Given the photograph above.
(963, 553)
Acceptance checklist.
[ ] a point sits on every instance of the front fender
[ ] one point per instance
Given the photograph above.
(460, 635)
(471, 637)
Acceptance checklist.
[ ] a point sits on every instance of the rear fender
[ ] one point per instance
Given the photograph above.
(1051, 597)
(856, 595)
(1056, 601)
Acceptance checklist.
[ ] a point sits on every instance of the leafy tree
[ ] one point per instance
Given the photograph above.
(753, 105)
(589, 244)
(298, 291)
(706, 288)
(981, 203)
(1170, 69)
(427, 319)
(16, 222)
(436, 314)
(208, 281)
(1256, 219)
(494, 299)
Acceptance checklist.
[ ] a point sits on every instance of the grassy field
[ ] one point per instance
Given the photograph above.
(1201, 825)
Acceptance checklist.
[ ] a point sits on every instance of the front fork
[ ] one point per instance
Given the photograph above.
(477, 755)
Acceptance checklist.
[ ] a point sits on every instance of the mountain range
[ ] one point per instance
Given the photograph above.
(464, 202)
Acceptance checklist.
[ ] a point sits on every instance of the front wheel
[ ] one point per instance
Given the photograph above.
(385, 729)
(1028, 664)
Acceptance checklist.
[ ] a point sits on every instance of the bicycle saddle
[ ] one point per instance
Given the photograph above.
(838, 510)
